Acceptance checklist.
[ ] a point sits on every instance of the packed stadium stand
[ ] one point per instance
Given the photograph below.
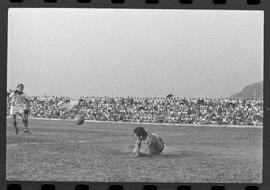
(171, 110)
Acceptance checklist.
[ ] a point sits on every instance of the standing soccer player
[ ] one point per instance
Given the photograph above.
(154, 143)
(19, 106)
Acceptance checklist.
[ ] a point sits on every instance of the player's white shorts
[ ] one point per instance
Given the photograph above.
(16, 110)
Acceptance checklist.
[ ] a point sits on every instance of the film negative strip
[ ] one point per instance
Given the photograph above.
(134, 94)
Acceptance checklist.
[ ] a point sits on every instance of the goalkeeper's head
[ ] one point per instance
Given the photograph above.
(140, 133)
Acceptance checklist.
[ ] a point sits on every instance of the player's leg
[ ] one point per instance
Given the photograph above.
(13, 113)
(159, 150)
(15, 124)
(24, 116)
(154, 150)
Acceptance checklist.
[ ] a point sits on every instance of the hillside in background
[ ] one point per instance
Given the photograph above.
(254, 91)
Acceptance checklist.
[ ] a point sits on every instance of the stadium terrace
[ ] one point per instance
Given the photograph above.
(169, 110)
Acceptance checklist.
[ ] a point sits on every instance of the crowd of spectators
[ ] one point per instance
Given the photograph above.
(152, 110)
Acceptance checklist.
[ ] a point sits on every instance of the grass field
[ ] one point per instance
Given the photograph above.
(62, 151)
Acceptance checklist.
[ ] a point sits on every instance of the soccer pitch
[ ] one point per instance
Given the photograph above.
(63, 151)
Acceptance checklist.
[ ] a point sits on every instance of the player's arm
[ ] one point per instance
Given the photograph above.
(137, 147)
(11, 95)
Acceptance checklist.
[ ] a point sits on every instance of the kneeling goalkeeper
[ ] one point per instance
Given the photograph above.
(154, 143)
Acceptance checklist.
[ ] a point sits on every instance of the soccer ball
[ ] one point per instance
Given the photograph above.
(79, 119)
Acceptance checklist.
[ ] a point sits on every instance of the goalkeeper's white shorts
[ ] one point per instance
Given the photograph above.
(15, 110)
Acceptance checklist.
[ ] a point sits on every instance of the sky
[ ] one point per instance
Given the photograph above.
(139, 53)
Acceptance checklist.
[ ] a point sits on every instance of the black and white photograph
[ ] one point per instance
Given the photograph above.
(135, 95)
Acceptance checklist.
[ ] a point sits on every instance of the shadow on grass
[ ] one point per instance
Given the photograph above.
(161, 156)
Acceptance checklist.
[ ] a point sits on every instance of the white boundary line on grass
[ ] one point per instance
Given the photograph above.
(138, 123)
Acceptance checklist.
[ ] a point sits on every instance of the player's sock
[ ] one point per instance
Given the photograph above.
(26, 130)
